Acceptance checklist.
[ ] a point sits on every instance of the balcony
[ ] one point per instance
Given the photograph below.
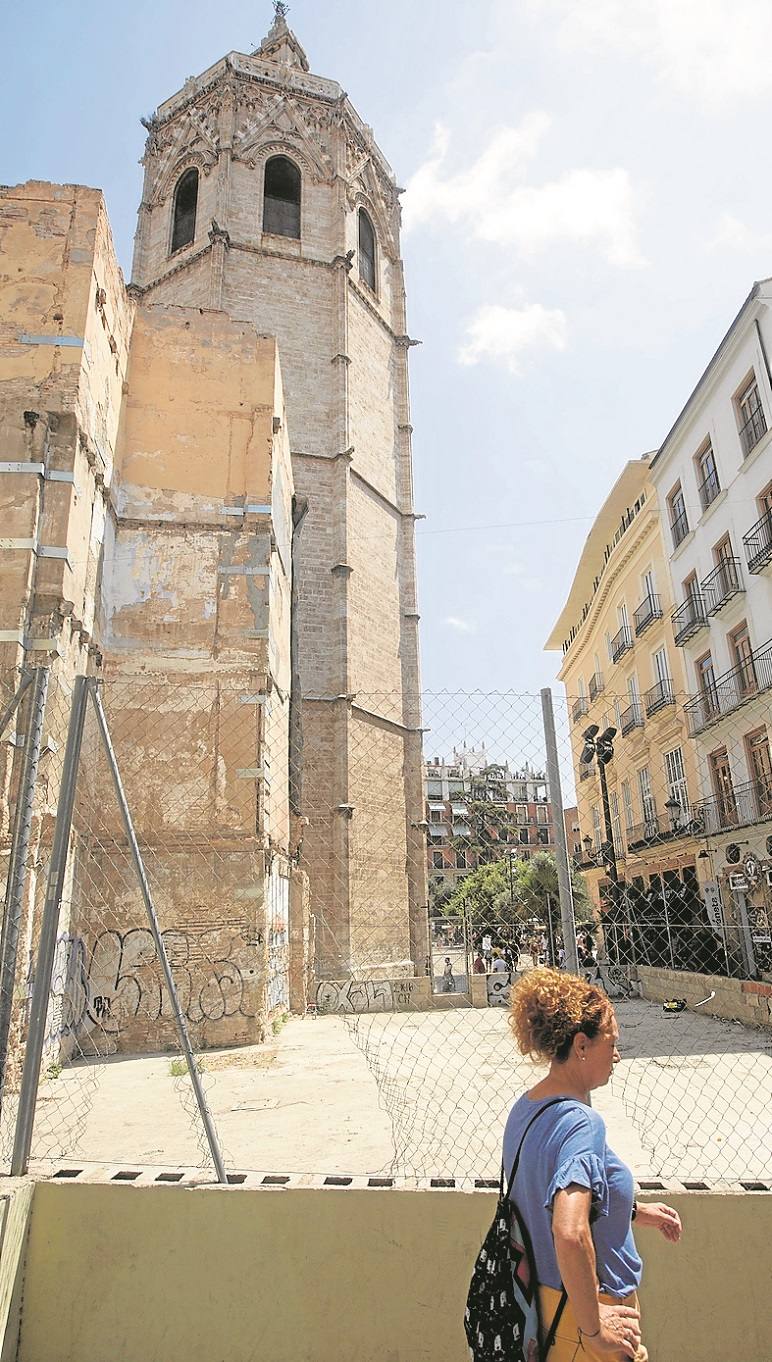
(656, 830)
(688, 618)
(709, 490)
(596, 685)
(728, 692)
(747, 803)
(722, 584)
(579, 709)
(631, 718)
(658, 696)
(679, 527)
(621, 643)
(648, 611)
(752, 431)
(758, 544)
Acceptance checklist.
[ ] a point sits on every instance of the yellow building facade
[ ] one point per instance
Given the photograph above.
(622, 670)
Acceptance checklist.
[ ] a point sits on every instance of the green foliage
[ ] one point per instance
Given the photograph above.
(494, 895)
(53, 1070)
(178, 1067)
(278, 1022)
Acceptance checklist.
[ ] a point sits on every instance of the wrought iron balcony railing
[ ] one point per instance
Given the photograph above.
(748, 803)
(658, 696)
(596, 685)
(709, 490)
(631, 718)
(578, 709)
(657, 828)
(721, 585)
(752, 431)
(679, 526)
(758, 544)
(648, 611)
(621, 643)
(688, 618)
(726, 694)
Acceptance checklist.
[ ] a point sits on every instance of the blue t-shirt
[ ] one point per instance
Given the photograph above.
(568, 1145)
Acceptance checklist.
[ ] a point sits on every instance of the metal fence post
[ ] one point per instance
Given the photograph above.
(15, 700)
(746, 939)
(41, 989)
(17, 869)
(568, 921)
(139, 867)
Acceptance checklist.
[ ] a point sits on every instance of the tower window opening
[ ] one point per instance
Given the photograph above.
(185, 204)
(281, 200)
(366, 250)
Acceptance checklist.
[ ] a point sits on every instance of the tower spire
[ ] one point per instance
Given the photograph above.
(280, 44)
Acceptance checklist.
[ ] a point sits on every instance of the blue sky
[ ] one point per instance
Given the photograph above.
(588, 202)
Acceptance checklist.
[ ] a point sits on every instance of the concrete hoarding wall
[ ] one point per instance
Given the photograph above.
(743, 1000)
(130, 1274)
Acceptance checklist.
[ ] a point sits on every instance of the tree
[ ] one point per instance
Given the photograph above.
(490, 897)
(539, 885)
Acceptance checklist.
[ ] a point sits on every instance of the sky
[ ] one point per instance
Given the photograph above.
(587, 203)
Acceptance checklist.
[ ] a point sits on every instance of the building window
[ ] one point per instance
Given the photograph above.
(436, 816)
(679, 524)
(184, 212)
(706, 678)
(596, 837)
(524, 837)
(750, 415)
(366, 250)
(742, 657)
(542, 813)
(708, 484)
(461, 860)
(438, 860)
(675, 775)
(627, 804)
(648, 807)
(721, 778)
(521, 813)
(616, 825)
(281, 198)
(760, 765)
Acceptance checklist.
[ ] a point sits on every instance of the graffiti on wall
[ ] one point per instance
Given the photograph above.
(613, 980)
(498, 985)
(117, 978)
(354, 995)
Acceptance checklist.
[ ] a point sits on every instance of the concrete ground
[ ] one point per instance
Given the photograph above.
(416, 1095)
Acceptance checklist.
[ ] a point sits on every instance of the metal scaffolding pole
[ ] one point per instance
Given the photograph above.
(17, 870)
(139, 867)
(568, 921)
(41, 989)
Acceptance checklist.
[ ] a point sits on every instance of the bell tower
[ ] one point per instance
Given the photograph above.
(266, 197)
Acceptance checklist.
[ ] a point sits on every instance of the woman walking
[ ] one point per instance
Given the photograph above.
(574, 1194)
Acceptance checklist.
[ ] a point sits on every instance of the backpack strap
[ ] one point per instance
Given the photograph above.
(556, 1318)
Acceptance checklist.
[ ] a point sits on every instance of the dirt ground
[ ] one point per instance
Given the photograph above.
(415, 1095)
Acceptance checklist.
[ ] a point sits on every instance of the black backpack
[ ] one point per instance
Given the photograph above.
(501, 1320)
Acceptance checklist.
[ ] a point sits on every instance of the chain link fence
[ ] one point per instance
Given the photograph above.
(299, 959)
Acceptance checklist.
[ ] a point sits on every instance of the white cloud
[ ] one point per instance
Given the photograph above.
(713, 51)
(506, 334)
(735, 235)
(590, 207)
(461, 626)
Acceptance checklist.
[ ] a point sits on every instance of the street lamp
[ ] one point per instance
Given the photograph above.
(673, 807)
(600, 746)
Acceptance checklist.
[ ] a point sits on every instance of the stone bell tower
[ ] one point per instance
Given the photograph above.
(266, 197)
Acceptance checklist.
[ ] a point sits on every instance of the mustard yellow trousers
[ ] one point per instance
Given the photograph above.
(568, 1346)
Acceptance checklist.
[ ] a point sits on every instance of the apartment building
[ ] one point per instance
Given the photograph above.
(473, 802)
(622, 670)
(712, 478)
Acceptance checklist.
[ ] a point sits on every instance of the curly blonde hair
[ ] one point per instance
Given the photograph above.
(548, 1008)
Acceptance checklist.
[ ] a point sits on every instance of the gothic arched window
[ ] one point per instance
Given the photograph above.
(281, 199)
(366, 250)
(185, 203)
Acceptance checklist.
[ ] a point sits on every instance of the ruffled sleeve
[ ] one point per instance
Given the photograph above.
(585, 1170)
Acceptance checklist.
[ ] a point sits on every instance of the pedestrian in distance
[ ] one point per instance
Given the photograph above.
(448, 982)
(478, 966)
(574, 1194)
(499, 963)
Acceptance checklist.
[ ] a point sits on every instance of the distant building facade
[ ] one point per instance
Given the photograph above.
(621, 669)
(478, 811)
